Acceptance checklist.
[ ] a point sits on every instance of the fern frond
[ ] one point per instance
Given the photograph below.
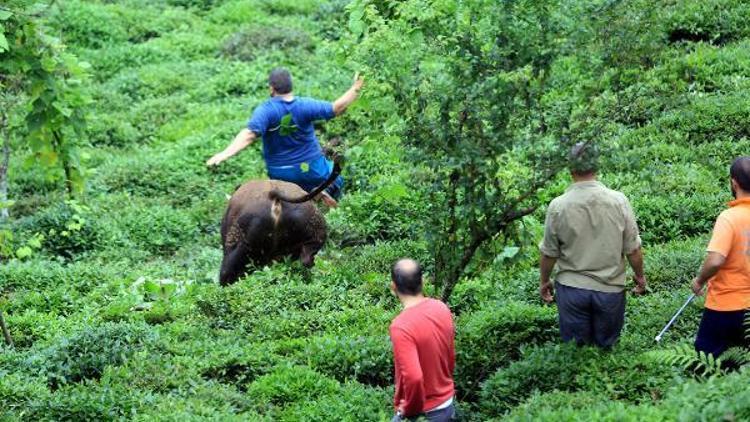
(686, 358)
(736, 356)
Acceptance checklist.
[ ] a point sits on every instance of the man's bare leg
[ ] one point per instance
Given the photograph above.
(327, 199)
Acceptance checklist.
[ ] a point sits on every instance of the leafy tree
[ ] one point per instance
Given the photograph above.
(41, 85)
(471, 82)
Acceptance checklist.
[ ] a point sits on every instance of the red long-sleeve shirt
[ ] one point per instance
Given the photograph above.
(424, 356)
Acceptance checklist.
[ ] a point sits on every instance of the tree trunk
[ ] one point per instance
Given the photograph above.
(6, 333)
(65, 163)
(4, 169)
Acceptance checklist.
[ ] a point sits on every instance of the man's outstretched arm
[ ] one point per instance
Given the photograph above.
(341, 104)
(241, 141)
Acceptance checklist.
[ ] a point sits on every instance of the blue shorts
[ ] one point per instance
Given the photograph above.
(309, 175)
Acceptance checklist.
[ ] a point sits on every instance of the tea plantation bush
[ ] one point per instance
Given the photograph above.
(490, 338)
(661, 87)
(629, 378)
(86, 353)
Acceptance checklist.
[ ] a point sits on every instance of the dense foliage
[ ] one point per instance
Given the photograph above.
(112, 298)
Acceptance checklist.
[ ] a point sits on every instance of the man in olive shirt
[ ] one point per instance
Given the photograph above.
(588, 233)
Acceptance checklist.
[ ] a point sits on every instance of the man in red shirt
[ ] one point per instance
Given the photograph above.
(423, 351)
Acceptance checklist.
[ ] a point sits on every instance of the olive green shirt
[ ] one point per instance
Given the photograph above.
(590, 229)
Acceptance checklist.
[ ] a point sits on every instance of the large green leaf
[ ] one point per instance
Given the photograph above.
(3, 41)
(287, 126)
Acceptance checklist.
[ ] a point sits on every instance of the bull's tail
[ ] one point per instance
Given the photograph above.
(276, 195)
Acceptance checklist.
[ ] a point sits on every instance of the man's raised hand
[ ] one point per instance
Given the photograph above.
(358, 82)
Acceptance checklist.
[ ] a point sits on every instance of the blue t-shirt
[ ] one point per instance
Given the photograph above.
(294, 141)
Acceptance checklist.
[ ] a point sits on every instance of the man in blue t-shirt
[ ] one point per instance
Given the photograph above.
(290, 147)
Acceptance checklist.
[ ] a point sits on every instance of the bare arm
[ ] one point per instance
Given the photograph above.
(635, 259)
(343, 102)
(546, 264)
(711, 265)
(240, 142)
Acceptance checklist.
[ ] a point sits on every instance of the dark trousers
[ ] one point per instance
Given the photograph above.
(443, 415)
(588, 316)
(720, 330)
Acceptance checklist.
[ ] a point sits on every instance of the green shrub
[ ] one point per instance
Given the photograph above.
(40, 274)
(194, 4)
(151, 371)
(709, 118)
(710, 69)
(31, 326)
(159, 229)
(674, 201)
(621, 376)
(201, 401)
(95, 25)
(85, 354)
(330, 17)
(663, 220)
(69, 229)
(240, 367)
(364, 359)
(89, 401)
(297, 7)
(119, 57)
(388, 205)
(17, 392)
(672, 266)
(714, 21)
(719, 398)
(287, 308)
(248, 44)
(352, 403)
(542, 404)
(497, 284)
(492, 338)
(645, 316)
(91, 25)
(263, 294)
(542, 369)
(289, 384)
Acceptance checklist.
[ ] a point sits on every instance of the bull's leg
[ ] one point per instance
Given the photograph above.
(233, 265)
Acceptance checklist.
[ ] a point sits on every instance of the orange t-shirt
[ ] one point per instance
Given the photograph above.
(729, 289)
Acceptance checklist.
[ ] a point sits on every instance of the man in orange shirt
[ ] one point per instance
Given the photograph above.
(727, 270)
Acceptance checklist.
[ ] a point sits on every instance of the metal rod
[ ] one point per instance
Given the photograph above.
(674, 318)
(6, 333)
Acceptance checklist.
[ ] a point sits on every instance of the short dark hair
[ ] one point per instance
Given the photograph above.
(583, 158)
(280, 80)
(407, 275)
(740, 171)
